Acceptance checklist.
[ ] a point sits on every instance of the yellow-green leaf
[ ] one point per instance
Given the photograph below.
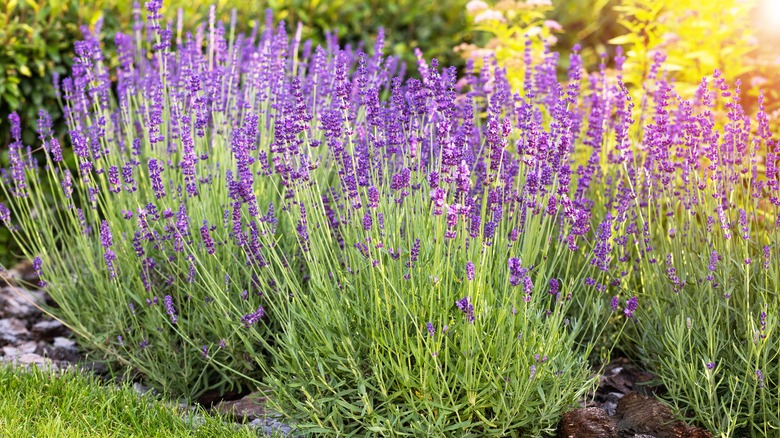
(623, 39)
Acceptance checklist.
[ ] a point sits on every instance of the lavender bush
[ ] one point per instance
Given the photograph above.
(688, 202)
(390, 254)
(399, 255)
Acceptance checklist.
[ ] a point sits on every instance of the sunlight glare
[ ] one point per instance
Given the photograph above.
(770, 13)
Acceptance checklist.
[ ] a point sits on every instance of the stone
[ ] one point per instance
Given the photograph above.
(50, 327)
(20, 303)
(271, 426)
(12, 330)
(64, 343)
(23, 272)
(27, 347)
(644, 415)
(29, 359)
(587, 423)
(247, 408)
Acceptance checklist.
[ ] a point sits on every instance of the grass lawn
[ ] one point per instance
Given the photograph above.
(39, 403)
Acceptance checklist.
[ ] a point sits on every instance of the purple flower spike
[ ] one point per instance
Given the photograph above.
(555, 286)
(415, 253)
(208, 241)
(105, 235)
(37, 267)
(431, 329)
(254, 317)
(5, 215)
(470, 270)
(155, 170)
(109, 257)
(465, 306)
(631, 306)
(615, 303)
(170, 310)
(367, 221)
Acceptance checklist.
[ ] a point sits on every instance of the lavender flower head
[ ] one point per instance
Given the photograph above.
(169, 309)
(465, 306)
(470, 270)
(37, 267)
(631, 306)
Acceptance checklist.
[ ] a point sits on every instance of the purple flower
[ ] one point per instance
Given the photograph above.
(555, 286)
(631, 306)
(465, 306)
(532, 372)
(367, 221)
(431, 330)
(415, 253)
(37, 267)
(766, 257)
(615, 303)
(470, 270)
(5, 215)
(760, 377)
(113, 180)
(208, 242)
(105, 235)
(109, 257)
(438, 196)
(253, 317)
(373, 197)
(170, 310)
(205, 351)
(155, 172)
(516, 271)
(222, 344)
(710, 365)
(55, 149)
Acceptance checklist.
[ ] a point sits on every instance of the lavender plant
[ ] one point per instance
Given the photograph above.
(391, 255)
(155, 250)
(440, 261)
(690, 216)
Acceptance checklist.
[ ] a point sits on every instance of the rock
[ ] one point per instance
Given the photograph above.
(64, 343)
(271, 426)
(646, 415)
(23, 272)
(247, 408)
(20, 303)
(9, 351)
(50, 327)
(29, 359)
(682, 430)
(587, 423)
(142, 389)
(621, 376)
(27, 347)
(12, 330)
(643, 415)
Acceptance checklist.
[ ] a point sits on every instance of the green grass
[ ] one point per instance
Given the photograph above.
(39, 403)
